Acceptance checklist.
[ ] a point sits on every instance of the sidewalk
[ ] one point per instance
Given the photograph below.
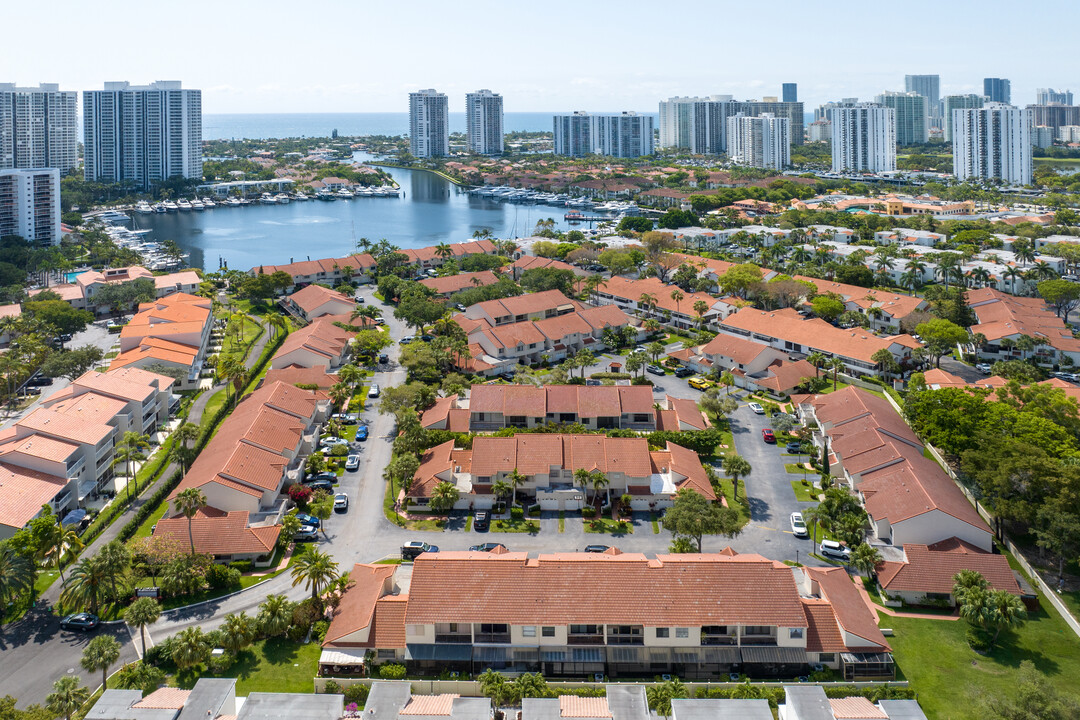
(875, 608)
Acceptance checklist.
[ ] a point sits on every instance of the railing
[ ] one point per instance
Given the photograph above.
(625, 640)
(759, 640)
(584, 639)
(719, 640)
(458, 639)
(489, 638)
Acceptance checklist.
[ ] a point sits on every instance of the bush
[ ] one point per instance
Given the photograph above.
(160, 654)
(300, 494)
(641, 380)
(296, 633)
(318, 630)
(339, 451)
(332, 688)
(610, 376)
(517, 513)
(588, 511)
(534, 511)
(219, 577)
(392, 671)
(357, 693)
(979, 640)
(220, 664)
(243, 566)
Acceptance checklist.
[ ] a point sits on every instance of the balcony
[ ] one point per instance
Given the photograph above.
(496, 638)
(596, 639)
(625, 640)
(769, 640)
(719, 640)
(454, 638)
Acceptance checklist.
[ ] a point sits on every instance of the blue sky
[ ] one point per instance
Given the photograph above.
(556, 55)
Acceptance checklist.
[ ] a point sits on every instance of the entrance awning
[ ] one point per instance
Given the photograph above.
(342, 657)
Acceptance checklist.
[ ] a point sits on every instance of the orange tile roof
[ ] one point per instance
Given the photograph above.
(23, 492)
(302, 376)
(357, 608)
(91, 407)
(313, 267)
(784, 376)
(931, 569)
(533, 454)
(312, 297)
(572, 706)
(823, 631)
(585, 401)
(66, 427)
(119, 383)
(856, 708)
(40, 446)
(851, 611)
(632, 290)
(227, 534)
(734, 348)
(321, 337)
(440, 705)
(531, 303)
(450, 284)
(166, 698)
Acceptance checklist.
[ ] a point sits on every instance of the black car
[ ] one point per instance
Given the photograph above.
(427, 338)
(80, 621)
(481, 521)
(597, 548)
(683, 372)
(327, 477)
(321, 485)
(487, 547)
(39, 381)
(384, 358)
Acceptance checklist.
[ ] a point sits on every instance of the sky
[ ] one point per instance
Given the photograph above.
(269, 56)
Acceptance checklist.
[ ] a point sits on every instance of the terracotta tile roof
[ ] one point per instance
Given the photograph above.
(822, 632)
(529, 304)
(931, 569)
(1001, 316)
(227, 534)
(321, 337)
(533, 454)
(302, 376)
(438, 705)
(156, 348)
(687, 412)
(313, 267)
(91, 407)
(40, 446)
(357, 608)
(851, 612)
(572, 706)
(685, 462)
(937, 378)
(313, 297)
(435, 461)
(632, 290)
(450, 284)
(784, 376)
(441, 412)
(66, 427)
(533, 262)
(856, 708)
(564, 588)
(119, 383)
(138, 376)
(23, 492)
(389, 628)
(166, 698)
(734, 348)
(13, 310)
(897, 305)
(585, 401)
(186, 277)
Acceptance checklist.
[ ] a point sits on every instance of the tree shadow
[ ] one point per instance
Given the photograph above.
(759, 509)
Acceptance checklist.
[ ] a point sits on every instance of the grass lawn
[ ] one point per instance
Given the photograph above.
(241, 347)
(215, 403)
(468, 523)
(144, 529)
(607, 526)
(515, 526)
(655, 524)
(740, 505)
(272, 665)
(802, 492)
(799, 469)
(562, 522)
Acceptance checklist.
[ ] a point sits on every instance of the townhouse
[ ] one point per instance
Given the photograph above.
(394, 700)
(81, 294)
(534, 262)
(173, 333)
(651, 298)
(519, 308)
(328, 271)
(1004, 319)
(492, 407)
(924, 574)
(318, 345)
(809, 702)
(314, 301)
(886, 310)
(225, 536)
(890, 204)
(909, 498)
(799, 336)
(447, 285)
(62, 453)
(215, 699)
(548, 463)
(581, 614)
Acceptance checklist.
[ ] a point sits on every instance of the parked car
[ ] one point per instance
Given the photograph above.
(308, 520)
(798, 525)
(427, 338)
(655, 369)
(767, 435)
(80, 621)
(984, 368)
(352, 463)
(39, 381)
(794, 448)
(699, 383)
(306, 533)
(459, 307)
(487, 547)
(373, 391)
(414, 548)
(833, 549)
(597, 548)
(361, 432)
(331, 440)
(683, 371)
(359, 299)
(407, 339)
(756, 408)
(383, 358)
(341, 503)
(481, 521)
(345, 418)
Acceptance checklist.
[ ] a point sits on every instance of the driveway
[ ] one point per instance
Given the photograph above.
(968, 373)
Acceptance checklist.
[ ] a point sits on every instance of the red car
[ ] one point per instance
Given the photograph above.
(767, 435)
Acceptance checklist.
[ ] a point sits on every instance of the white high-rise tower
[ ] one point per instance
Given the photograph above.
(38, 127)
(863, 138)
(429, 124)
(992, 142)
(484, 122)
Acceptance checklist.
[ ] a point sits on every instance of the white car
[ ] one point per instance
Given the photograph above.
(984, 368)
(341, 502)
(758, 410)
(833, 549)
(373, 391)
(798, 525)
(352, 463)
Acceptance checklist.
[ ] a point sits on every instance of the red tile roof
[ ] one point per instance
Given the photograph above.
(584, 401)
(23, 492)
(216, 534)
(313, 297)
(851, 611)
(931, 569)
(450, 284)
(357, 608)
(856, 708)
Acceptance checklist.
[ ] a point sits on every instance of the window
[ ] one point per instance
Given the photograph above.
(528, 631)
(826, 657)
(583, 629)
(757, 630)
(661, 632)
(795, 633)
(682, 632)
(547, 631)
(387, 654)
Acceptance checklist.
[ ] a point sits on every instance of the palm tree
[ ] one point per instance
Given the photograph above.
(727, 379)
(100, 654)
(275, 615)
(349, 374)
(239, 631)
(865, 558)
(736, 467)
(1012, 273)
(87, 584)
(115, 560)
(515, 479)
(677, 296)
(141, 614)
(599, 481)
(191, 648)
(316, 570)
(700, 308)
(17, 576)
(185, 434)
(277, 324)
(444, 251)
(814, 517)
(1004, 610)
(67, 697)
(647, 301)
(816, 359)
(130, 449)
(836, 365)
(60, 547)
(339, 394)
(188, 502)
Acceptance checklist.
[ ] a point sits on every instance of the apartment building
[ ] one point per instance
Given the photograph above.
(81, 293)
(864, 139)
(30, 205)
(924, 574)
(173, 332)
(1003, 319)
(763, 142)
(225, 536)
(652, 298)
(1050, 96)
(38, 127)
(886, 310)
(429, 124)
(315, 301)
(626, 135)
(958, 102)
(700, 124)
(447, 285)
(581, 614)
(492, 407)
(912, 115)
(909, 498)
(142, 135)
(993, 143)
(484, 122)
(318, 345)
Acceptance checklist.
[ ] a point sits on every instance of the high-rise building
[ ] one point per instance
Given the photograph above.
(763, 142)
(824, 112)
(864, 139)
(39, 127)
(142, 135)
(1069, 133)
(1050, 96)
(484, 122)
(625, 135)
(819, 131)
(429, 124)
(957, 102)
(1042, 136)
(699, 124)
(1055, 116)
(997, 90)
(30, 205)
(911, 115)
(790, 92)
(993, 143)
(929, 87)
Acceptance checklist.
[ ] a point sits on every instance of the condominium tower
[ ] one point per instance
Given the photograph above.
(429, 124)
(142, 134)
(997, 90)
(958, 102)
(992, 143)
(790, 92)
(1050, 96)
(484, 122)
(864, 139)
(911, 115)
(929, 87)
(625, 135)
(30, 205)
(699, 124)
(38, 127)
(763, 142)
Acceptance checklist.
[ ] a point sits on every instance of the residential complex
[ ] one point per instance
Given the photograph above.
(626, 135)
(215, 699)
(700, 124)
(30, 205)
(429, 124)
(1003, 319)
(992, 143)
(763, 142)
(484, 122)
(169, 336)
(957, 102)
(82, 293)
(142, 135)
(864, 139)
(38, 128)
(997, 90)
(910, 111)
(1050, 96)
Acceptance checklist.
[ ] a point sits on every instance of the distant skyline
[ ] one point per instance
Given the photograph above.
(563, 55)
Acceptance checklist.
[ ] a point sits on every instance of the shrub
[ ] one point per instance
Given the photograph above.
(588, 511)
(979, 640)
(242, 566)
(517, 513)
(641, 380)
(534, 511)
(222, 576)
(357, 693)
(318, 630)
(610, 376)
(160, 654)
(339, 451)
(296, 633)
(392, 671)
(220, 664)
(307, 613)
(332, 688)
(300, 494)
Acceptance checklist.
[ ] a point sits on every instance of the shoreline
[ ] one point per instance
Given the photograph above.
(440, 173)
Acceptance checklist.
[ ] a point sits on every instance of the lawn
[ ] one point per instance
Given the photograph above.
(144, 529)
(215, 403)
(241, 347)
(272, 665)
(799, 469)
(515, 526)
(802, 492)
(740, 505)
(607, 526)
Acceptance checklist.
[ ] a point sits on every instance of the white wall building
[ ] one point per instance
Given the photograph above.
(1069, 133)
(958, 102)
(142, 134)
(992, 142)
(625, 135)
(763, 142)
(863, 139)
(429, 124)
(38, 127)
(484, 122)
(30, 205)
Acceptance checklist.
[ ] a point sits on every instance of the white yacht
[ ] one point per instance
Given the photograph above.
(170, 206)
(143, 208)
(233, 202)
(343, 193)
(208, 203)
(197, 204)
(267, 199)
(282, 199)
(183, 205)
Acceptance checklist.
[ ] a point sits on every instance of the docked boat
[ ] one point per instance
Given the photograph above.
(159, 208)
(267, 199)
(143, 208)
(324, 195)
(183, 205)
(197, 204)
(282, 199)
(233, 202)
(208, 203)
(170, 206)
(300, 197)
(343, 193)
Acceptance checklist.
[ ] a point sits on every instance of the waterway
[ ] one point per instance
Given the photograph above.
(429, 211)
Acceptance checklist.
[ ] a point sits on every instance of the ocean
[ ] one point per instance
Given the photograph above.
(283, 125)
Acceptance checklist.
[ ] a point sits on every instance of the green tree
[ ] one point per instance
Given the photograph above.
(17, 576)
(239, 631)
(131, 449)
(72, 364)
(62, 546)
(67, 697)
(693, 516)
(865, 558)
(141, 614)
(659, 696)
(183, 436)
(275, 615)
(828, 307)
(139, 675)
(940, 336)
(321, 506)
(191, 648)
(188, 502)
(59, 314)
(1062, 295)
(736, 466)
(315, 569)
(1033, 698)
(444, 496)
(87, 585)
(100, 654)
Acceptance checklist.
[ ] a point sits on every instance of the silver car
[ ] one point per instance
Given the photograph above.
(798, 525)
